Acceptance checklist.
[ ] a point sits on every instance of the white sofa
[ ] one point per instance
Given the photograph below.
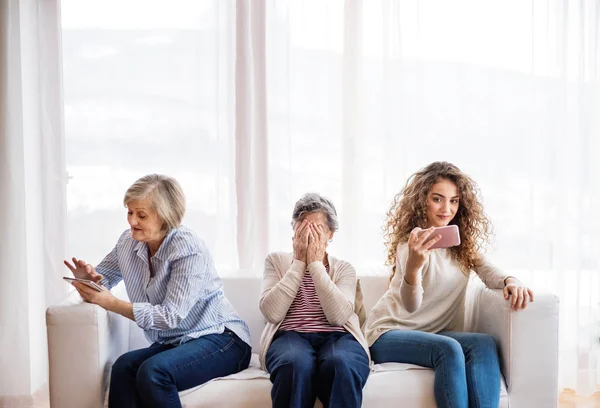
(84, 340)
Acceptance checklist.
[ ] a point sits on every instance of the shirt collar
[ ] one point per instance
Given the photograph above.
(141, 248)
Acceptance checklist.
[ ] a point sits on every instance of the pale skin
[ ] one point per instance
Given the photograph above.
(443, 202)
(311, 237)
(146, 226)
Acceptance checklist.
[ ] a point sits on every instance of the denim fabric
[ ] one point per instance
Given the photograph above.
(332, 366)
(153, 376)
(467, 372)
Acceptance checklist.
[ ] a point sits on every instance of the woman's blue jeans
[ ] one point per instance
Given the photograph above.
(467, 372)
(152, 377)
(331, 365)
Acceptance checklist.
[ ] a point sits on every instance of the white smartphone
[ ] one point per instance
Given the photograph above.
(86, 282)
(450, 236)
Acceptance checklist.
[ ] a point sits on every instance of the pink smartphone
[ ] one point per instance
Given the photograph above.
(450, 236)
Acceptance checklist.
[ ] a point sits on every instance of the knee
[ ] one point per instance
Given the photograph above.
(123, 366)
(292, 363)
(337, 366)
(336, 363)
(450, 350)
(484, 344)
(345, 364)
(151, 372)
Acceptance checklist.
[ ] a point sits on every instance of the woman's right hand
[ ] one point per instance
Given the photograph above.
(418, 248)
(83, 270)
(301, 241)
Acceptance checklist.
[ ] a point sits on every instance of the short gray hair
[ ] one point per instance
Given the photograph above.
(313, 202)
(165, 195)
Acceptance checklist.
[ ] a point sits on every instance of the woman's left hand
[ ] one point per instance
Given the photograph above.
(90, 295)
(317, 243)
(519, 294)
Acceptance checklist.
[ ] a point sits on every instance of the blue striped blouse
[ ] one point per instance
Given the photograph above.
(184, 299)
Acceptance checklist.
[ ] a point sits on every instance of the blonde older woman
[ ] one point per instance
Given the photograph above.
(312, 344)
(176, 298)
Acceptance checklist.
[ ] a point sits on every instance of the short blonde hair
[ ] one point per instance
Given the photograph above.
(165, 196)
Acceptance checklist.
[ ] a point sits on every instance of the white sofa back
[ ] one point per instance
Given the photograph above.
(527, 344)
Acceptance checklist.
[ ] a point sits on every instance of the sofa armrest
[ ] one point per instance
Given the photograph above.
(83, 342)
(527, 342)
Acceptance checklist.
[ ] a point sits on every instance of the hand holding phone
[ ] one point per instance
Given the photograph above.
(83, 270)
(450, 236)
(86, 282)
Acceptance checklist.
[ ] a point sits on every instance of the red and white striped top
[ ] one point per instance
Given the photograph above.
(305, 313)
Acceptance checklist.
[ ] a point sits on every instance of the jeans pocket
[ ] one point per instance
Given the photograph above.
(245, 360)
(229, 342)
(244, 350)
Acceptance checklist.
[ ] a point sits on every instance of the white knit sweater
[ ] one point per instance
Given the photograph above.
(435, 305)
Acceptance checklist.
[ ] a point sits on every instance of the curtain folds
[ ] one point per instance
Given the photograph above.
(251, 104)
(32, 188)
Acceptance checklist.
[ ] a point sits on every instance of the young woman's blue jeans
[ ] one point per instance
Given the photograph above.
(331, 365)
(467, 372)
(153, 376)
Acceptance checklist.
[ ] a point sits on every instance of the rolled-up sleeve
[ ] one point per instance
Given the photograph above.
(109, 269)
(183, 290)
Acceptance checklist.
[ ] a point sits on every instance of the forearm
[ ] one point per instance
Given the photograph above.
(411, 290)
(411, 295)
(336, 305)
(109, 269)
(413, 276)
(277, 297)
(121, 307)
(491, 276)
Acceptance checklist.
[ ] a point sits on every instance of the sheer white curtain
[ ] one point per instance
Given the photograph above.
(346, 98)
(252, 190)
(150, 88)
(362, 94)
(32, 190)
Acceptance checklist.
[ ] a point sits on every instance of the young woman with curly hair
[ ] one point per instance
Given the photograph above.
(420, 317)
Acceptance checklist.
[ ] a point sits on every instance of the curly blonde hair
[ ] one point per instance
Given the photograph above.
(409, 210)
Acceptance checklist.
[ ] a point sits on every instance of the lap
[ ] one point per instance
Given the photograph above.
(342, 347)
(473, 342)
(411, 346)
(308, 351)
(289, 347)
(137, 357)
(200, 360)
(467, 338)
